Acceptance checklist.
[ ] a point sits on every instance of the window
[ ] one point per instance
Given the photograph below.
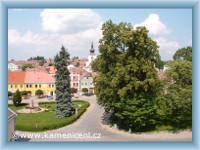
(35, 85)
(49, 85)
(87, 77)
(27, 86)
(39, 85)
(21, 86)
(11, 86)
(85, 83)
(91, 83)
(30, 86)
(15, 86)
(76, 84)
(73, 84)
(52, 85)
(74, 77)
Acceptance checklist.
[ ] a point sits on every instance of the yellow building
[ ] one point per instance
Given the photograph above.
(31, 82)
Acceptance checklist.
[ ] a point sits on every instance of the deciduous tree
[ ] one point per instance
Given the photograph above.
(127, 81)
(183, 54)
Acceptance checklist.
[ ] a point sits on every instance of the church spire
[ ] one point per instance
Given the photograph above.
(92, 49)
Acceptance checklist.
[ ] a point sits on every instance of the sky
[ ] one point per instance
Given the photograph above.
(42, 32)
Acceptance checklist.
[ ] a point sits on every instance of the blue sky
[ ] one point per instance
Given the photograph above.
(33, 32)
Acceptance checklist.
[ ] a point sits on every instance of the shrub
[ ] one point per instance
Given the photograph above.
(84, 90)
(38, 93)
(24, 93)
(17, 98)
(9, 93)
(73, 90)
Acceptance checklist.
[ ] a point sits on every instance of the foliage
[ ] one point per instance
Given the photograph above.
(160, 65)
(9, 93)
(38, 92)
(17, 98)
(77, 65)
(26, 66)
(42, 62)
(24, 93)
(50, 64)
(36, 58)
(175, 103)
(95, 65)
(84, 90)
(127, 81)
(73, 90)
(47, 120)
(64, 106)
(183, 54)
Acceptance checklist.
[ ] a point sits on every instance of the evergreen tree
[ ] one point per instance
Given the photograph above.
(127, 82)
(64, 106)
(17, 98)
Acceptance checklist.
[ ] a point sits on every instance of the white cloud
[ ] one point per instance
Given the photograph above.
(167, 48)
(47, 45)
(69, 20)
(154, 25)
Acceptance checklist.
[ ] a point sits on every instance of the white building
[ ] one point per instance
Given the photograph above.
(12, 67)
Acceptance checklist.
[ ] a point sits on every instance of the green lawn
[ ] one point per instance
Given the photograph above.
(46, 120)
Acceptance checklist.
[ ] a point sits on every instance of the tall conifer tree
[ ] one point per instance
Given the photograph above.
(64, 106)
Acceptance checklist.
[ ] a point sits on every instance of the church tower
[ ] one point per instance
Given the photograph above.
(92, 56)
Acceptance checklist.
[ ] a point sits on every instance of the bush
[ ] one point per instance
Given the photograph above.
(17, 98)
(9, 93)
(73, 90)
(84, 90)
(38, 93)
(24, 93)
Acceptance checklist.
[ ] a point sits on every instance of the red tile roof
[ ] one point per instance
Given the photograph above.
(40, 68)
(16, 77)
(32, 77)
(29, 77)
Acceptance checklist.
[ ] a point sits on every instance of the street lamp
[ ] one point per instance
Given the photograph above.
(45, 102)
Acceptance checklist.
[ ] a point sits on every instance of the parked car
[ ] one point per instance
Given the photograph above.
(89, 94)
(50, 97)
(76, 95)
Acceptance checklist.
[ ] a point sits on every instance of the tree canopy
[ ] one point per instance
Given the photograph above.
(175, 103)
(38, 92)
(36, 58)
(127, 82)
(26, 66)
(183, 54)
(64, 106)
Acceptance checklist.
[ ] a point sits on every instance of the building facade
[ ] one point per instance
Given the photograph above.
(31, 82)
(86, 81)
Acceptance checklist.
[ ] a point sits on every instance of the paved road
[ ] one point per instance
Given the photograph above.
(94, 122)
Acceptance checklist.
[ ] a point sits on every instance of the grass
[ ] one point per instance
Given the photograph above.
(14, 108)
(46, 120)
